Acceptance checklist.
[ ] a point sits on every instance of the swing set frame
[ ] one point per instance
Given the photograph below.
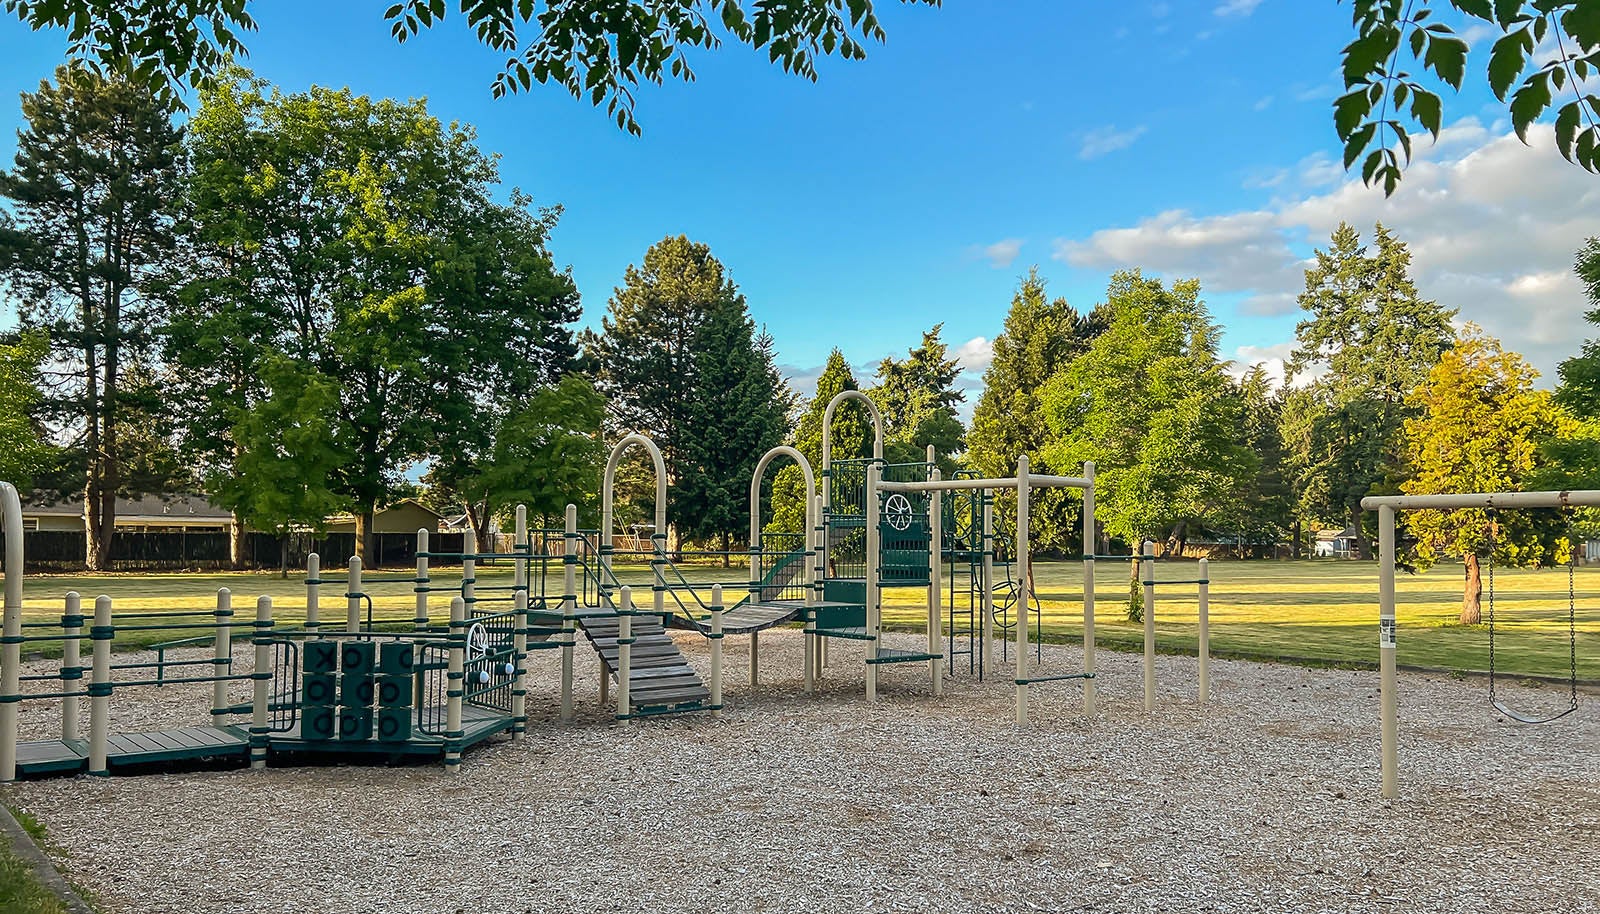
(1387, 507)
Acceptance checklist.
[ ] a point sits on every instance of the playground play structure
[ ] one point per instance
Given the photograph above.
(434, 686)
(438, 683)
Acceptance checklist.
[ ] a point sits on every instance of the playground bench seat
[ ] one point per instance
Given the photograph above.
(895, 655)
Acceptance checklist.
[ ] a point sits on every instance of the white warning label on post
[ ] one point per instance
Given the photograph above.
(1386, 633)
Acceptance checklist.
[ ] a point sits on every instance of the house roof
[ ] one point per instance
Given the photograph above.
(151, 507)
(347, 517)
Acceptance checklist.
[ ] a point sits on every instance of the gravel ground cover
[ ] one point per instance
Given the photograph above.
(1265, 800)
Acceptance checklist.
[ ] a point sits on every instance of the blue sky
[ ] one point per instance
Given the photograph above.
(1189, 138)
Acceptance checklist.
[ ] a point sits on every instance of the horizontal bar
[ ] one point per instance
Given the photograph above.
(1580, 497)
(952, 485)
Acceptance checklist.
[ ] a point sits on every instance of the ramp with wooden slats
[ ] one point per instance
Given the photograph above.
(661, 680)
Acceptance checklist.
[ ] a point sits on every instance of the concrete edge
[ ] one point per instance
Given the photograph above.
(44, 869)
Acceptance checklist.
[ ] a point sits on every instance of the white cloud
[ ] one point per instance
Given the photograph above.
(975, 355)
(1236, 7)
(1108, 139)
(1492, 226)
(1161, 10)
(1263, 103)
(1001, 254)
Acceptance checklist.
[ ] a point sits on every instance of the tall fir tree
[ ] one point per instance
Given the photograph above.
(1369, 341)
(740, 411)
(649, 363)
(92, 190)
(918, 399)
(852, 439)
(1041, 336)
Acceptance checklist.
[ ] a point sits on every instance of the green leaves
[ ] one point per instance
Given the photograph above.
(1367, 118)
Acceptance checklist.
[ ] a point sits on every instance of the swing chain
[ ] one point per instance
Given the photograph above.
(1572, 628)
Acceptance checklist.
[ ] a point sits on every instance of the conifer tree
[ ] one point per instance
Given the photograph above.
(918, 400)
(92, 191)
(1041, 336)
(1370, 340)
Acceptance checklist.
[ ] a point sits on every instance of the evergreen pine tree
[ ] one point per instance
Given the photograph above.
(1372, 339)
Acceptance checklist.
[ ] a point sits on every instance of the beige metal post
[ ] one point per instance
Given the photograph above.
(814, 595)
(11, 648)
(624, 654)
(221, 657)
(71, 670)
(874, 550)
(100, 687)
(1389, 705)
(313, 601)
(716, 650)
(755, 577)
(1147, 576)
(469, 575)
(822, 574)
(1024, 596)
(569, 607)
(262, 692)
(1205, 630)
(352, 608)
(936, 582)
(457, 684)
(1089, 548)
(987, 660)
(420, 620)
(521, 567)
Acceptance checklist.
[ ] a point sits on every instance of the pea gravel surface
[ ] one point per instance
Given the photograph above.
(1264, 800)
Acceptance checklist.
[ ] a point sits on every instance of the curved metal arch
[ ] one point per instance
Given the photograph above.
(10, 663)
(782, 450)
(827, 425)
(608, 486)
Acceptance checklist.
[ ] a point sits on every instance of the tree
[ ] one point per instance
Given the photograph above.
(918, 400)
(286, 455)
(360, 239)
(518, 343)
(645, 358)
(597, 53)
(96, 169)
(1152, 405)
(1574, 459)
(24, 453)
(852, 440)
(547, 452)
(1040, 338)
(1369, 341)
(739, 413)
(1479, 427)
(1265, 510)
(1382, 97)
(604, 57)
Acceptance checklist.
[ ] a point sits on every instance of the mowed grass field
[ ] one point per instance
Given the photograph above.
(1321, 612)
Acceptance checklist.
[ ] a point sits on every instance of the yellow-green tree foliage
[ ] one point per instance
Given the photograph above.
(1479, 429)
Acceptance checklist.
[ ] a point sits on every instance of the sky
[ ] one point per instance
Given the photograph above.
(1190, 138)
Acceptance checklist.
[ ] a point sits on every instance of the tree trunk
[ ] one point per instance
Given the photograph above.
(1294, 541)
(236, 541)
(1361, 534)
(363, 535)
(1472, 593)
(1175, 541)
(727, 544)
(283, 555)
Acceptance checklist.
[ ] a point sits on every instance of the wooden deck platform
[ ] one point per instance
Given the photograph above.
(54, 756)
(661, 679)
(746, 618)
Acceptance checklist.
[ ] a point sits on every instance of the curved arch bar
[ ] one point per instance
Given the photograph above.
(608, 487)
(827, 425)
(782, 450)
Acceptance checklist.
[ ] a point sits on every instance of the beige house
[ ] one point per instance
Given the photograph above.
(194, 514)
(406, 516)
(151, 514)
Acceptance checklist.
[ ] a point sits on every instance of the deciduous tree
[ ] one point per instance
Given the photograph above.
(1041, 336)
(1479, 426)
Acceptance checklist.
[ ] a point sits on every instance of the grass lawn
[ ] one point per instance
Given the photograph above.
(1309, 611)
(21, 892)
